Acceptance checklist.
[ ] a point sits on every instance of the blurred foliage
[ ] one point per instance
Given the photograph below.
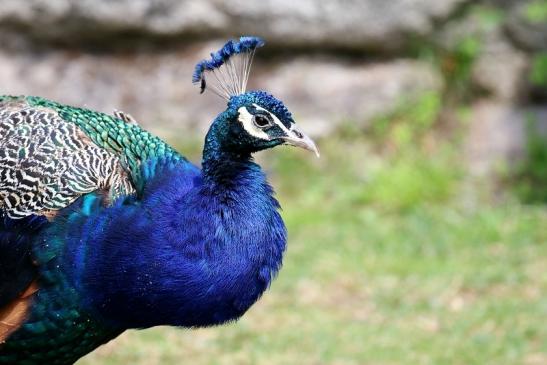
(455, 60)
(536, 11)
(538, 74)
(530, 175)
(456, 63)
(409, 182)
(415, 170)
(489, 16)
(393, 182)
(409, 121)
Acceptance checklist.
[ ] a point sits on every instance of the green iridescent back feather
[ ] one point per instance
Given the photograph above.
(115, 135)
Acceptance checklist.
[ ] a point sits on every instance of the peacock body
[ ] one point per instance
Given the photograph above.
(104, 227)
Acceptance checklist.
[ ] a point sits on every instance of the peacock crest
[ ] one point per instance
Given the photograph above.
(229, 67)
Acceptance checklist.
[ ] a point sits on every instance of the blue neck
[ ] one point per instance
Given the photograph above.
(198, 250)
(222, 165)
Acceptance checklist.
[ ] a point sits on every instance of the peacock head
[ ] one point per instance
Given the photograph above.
(253, 120)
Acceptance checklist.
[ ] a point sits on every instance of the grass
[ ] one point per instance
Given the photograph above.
(387, 264)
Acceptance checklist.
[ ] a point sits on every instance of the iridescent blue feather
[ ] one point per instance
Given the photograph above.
(235, 81)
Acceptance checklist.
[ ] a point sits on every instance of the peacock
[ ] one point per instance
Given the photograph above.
(104, 227)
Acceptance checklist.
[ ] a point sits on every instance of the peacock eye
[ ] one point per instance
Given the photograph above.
(261, 121)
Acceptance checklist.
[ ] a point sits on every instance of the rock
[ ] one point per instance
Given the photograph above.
(540, 117)
(451, 34)
(323, 94)
(351, 24)
(354, 24)
(501, 69)
(497, 135)
(497, 67)
(156, 88)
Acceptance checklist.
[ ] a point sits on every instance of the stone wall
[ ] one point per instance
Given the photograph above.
(331, 61)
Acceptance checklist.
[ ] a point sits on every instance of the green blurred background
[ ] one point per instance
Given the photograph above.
(418, 237)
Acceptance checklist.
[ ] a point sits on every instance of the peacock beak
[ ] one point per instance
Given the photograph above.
(298, 139)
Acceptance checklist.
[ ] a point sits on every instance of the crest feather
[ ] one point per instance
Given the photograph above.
(230, 67)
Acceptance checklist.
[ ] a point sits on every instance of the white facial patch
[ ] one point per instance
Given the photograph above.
(275, 119)
(246, 119)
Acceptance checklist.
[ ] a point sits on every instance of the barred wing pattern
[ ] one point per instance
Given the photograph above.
(47, 162)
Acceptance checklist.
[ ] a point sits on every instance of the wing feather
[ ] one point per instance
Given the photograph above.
(47, 162)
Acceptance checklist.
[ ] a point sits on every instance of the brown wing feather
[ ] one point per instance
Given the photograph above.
(13, 315)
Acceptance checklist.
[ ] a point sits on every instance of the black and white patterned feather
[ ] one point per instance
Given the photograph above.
(47, 162)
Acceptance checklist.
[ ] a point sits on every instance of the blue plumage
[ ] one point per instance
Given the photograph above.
(206, 271)
(230, 48)
(16, 269)
(189, 247)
